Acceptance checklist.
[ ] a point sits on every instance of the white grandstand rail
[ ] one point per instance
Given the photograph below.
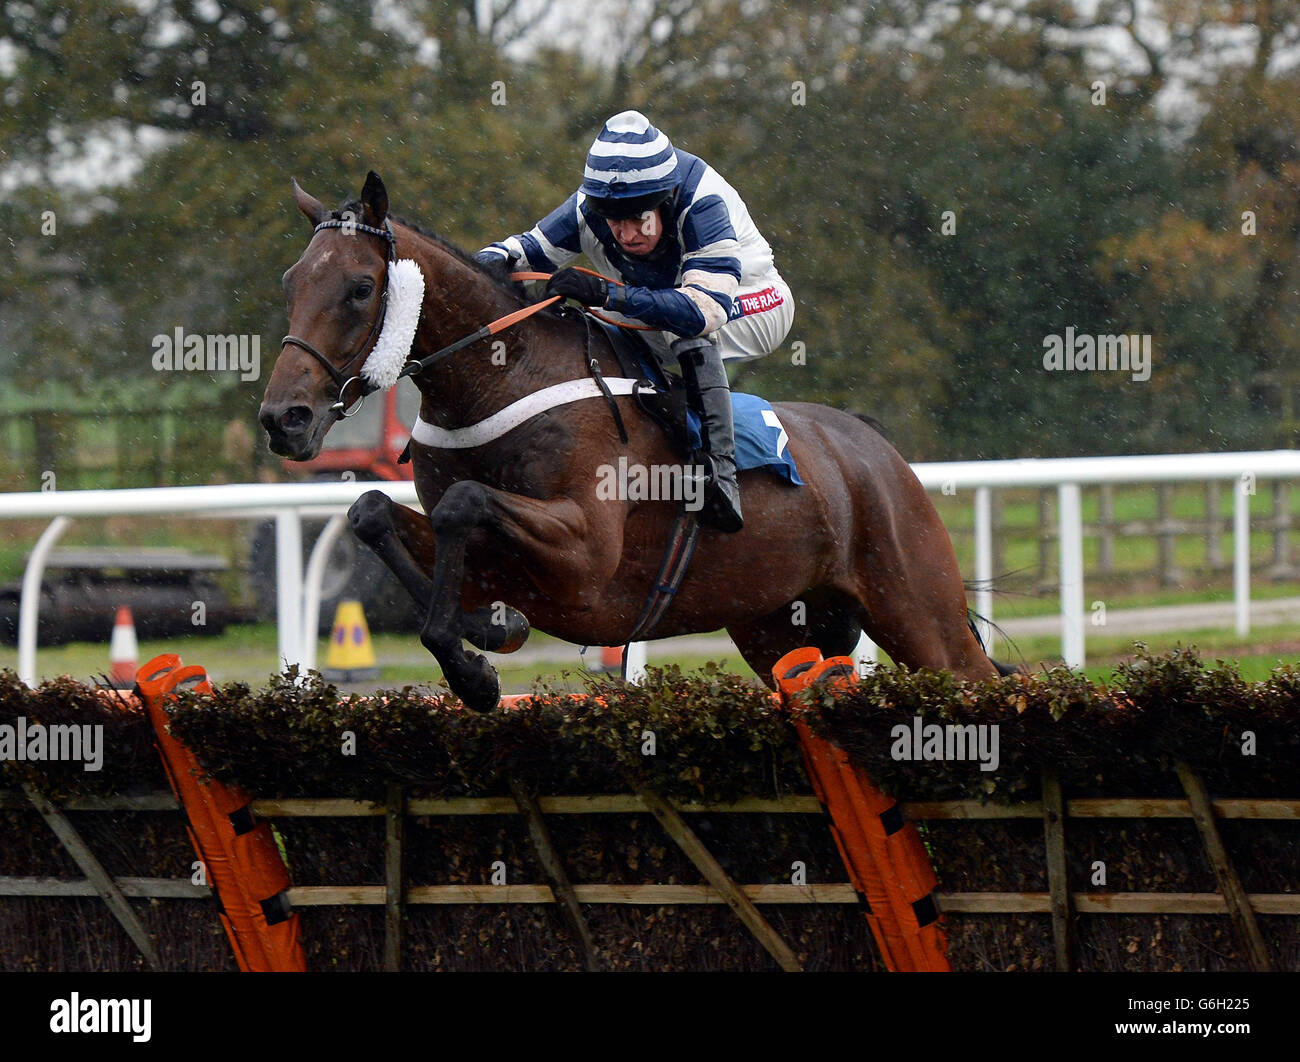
(288, 503)
(312, 588)
(1091, 471)
(1241, 556)
(1243, 469)
(246, 499)
(31, 593)
(1070, 507)
(288, 587)
(984, 563)
(634, 662)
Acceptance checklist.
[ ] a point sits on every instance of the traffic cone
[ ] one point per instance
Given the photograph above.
(611, 658)
(123, 651)
(351, 656)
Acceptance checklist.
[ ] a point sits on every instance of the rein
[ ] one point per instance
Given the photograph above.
(415, 366)
(600, 317)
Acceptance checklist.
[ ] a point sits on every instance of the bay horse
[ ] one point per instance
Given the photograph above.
(514, 526)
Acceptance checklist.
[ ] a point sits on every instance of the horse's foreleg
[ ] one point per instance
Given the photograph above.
(404, 540)
(375, 520)
(548, 535)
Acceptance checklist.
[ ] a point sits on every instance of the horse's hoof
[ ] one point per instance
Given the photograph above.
(371, 517)
(480, 688)
(496, 629)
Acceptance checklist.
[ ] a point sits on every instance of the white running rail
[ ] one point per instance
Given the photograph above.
(298, 604)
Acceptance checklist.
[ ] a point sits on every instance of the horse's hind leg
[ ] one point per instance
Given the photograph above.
(825, 620)
(912, 597)
(403, 539)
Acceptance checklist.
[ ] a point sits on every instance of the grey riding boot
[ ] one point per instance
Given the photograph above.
(709, 394)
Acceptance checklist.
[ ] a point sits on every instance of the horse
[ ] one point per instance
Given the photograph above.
(515, 534)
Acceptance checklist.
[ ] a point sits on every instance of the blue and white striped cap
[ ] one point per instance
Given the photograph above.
(629, 159)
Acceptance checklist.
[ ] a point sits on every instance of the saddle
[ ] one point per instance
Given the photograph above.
(759, 436)
(663, 399)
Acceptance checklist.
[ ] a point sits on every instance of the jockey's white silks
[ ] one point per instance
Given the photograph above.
(393, 348)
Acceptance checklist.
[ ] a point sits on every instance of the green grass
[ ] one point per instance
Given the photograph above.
(248, 653)
(1009, 604)
(1264, 649)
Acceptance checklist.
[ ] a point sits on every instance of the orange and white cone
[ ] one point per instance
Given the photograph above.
(611, 658)
(123, 651)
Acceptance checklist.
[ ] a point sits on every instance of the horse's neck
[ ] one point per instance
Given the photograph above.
(473, 383)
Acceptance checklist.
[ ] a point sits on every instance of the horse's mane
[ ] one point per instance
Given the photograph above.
(355, 208)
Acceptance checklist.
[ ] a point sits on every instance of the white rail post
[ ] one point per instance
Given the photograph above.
(30, 603)
(984, 564)
(311, 589)
(1241, 550)
(288, 585)
(1070, 518)
(634, 660)
(865, 655)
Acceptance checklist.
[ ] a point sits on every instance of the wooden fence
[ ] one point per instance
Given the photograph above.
(1059, 902)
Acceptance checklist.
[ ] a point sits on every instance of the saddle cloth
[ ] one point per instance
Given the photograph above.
(761, 440)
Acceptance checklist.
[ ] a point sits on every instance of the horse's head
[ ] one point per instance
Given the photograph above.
(334, 296)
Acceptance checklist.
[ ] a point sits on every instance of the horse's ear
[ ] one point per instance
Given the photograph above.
(314, 210)
(374, 197)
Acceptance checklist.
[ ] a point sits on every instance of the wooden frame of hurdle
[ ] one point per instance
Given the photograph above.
(397, 894)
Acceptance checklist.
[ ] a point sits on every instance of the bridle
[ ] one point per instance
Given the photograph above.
(339, 376)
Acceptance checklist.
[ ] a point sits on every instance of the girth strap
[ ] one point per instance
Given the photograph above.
(672, 571)
(594, 366)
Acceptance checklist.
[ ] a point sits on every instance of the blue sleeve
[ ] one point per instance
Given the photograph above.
(557, 231)
(669, 309)
(551, 243)
(708, 223)
(709, 244)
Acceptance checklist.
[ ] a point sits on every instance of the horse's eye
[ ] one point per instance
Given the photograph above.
(363, 290)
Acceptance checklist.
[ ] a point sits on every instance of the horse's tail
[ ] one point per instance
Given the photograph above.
(1003, 669)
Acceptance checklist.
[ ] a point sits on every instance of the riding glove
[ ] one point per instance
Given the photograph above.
(583, 287)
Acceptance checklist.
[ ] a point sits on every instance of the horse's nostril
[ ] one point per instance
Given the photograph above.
(295, 419)
(292, 421)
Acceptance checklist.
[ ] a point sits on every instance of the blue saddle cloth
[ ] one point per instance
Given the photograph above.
(760, 437)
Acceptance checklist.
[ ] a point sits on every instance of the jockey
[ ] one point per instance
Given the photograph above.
(691, 263)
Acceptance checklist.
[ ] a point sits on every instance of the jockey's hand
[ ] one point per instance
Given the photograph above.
(499, 265)
(582, 287)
